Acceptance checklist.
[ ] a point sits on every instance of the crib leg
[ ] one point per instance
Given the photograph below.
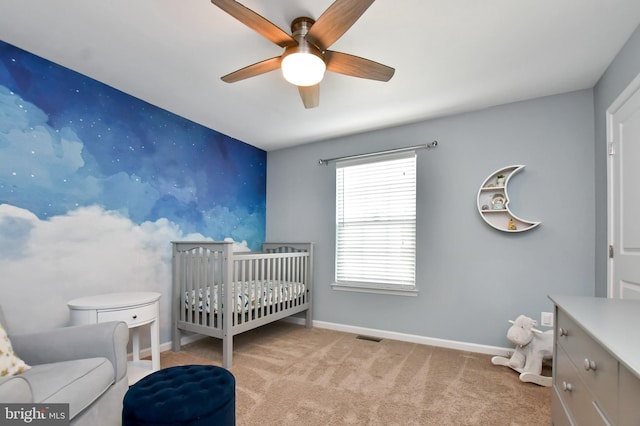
(308, 319)
(227, 351)
(175, 339)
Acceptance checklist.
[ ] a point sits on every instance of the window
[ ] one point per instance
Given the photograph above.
(376, 223)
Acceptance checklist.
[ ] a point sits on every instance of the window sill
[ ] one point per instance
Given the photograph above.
(411, 292)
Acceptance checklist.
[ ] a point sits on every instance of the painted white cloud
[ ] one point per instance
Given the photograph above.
(46, 263)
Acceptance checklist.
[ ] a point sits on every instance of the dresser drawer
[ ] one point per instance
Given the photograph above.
(575, 394)
(559, 415)
(629, 405)
(595, 366)
(134, 316)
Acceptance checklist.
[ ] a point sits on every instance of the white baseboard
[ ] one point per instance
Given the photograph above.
(185, 340)
(412, 338)
(145, 352)
(382, 334)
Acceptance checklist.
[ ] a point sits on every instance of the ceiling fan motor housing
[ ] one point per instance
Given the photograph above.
(299, 29)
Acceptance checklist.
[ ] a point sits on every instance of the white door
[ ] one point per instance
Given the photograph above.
(623, 128)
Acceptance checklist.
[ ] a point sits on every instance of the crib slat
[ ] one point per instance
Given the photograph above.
(218, 291)
(242, 291)
(190, 265)
(293, 289)
(268, 290)
(278, 284)
(199, 258)
(288, 283)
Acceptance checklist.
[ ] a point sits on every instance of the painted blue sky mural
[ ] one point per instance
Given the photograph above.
(68, 142)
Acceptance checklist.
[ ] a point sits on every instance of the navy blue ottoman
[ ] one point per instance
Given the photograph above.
(192, 395)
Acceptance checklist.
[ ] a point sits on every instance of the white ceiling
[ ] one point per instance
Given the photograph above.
(450, 56)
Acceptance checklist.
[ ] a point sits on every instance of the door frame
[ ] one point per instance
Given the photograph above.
(615, 106)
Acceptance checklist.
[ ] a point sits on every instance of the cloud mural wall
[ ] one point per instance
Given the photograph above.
(94, 184)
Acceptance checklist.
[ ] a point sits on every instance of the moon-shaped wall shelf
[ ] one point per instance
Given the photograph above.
(493, 202)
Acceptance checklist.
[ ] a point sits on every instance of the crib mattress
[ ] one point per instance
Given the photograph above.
(247, 296)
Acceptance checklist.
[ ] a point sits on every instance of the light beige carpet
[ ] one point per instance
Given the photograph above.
(289, 375)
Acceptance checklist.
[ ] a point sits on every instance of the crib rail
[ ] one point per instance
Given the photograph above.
(271, 282)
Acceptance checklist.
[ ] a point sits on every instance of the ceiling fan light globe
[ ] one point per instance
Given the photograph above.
(303, 69)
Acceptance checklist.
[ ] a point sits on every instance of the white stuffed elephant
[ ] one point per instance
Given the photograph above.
(532, 346)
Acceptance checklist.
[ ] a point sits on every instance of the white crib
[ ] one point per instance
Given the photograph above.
(219, 293)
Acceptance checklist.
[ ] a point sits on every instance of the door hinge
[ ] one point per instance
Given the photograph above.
(612, 149)
(610, 251)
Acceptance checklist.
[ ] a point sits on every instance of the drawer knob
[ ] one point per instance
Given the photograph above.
(589, 364)
(135, 316)
(563, 332)
(568, 387)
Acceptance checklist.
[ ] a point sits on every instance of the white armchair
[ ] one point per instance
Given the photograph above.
(85, 366)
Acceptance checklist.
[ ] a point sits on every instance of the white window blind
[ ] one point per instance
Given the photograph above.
(376, 221)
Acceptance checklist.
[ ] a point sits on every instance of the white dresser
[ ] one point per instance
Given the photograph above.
(134, 308)
(596, 363)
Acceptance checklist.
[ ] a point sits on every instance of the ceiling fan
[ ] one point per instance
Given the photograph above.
(306, 55)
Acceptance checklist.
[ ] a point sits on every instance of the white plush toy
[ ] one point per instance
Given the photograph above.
(532, 347)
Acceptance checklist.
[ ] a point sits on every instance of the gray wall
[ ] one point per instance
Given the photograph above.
(624, 68)
(471, 278)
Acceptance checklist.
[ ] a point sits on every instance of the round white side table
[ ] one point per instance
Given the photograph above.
(134, 308)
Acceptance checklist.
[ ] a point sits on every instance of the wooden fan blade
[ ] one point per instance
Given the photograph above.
(253, 70)
(335, 21)
(310, 95)
(355, 66)
(256, 22)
